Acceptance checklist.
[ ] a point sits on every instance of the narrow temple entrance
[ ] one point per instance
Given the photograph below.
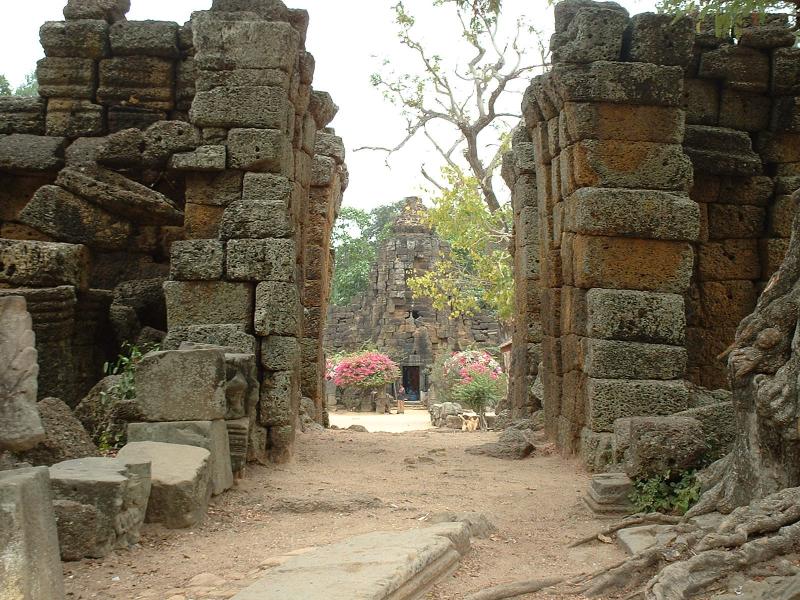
(411, 383)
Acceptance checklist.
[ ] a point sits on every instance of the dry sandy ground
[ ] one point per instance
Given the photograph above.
(535, 504)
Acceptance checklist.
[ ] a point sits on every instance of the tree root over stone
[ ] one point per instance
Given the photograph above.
(632, 521)
(692, 562)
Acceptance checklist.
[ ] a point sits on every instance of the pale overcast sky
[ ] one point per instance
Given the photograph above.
(349, 39)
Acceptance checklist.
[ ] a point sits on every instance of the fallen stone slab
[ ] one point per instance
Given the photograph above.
(65, 437)
(181, 482)
(514, 444)
(479, 524)
(346, 504)
(27, 263)
(638, 539)
(376, 566)
(30, 568)
(211, 435)
(100, 503)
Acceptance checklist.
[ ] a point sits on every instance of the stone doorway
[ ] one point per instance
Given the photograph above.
(411, 382)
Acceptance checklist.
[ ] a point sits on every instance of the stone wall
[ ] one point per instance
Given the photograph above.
(408, 329)
(175, 179)
(663, 159)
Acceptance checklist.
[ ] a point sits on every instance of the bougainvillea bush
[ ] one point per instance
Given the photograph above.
(473, 379)
(365, 370)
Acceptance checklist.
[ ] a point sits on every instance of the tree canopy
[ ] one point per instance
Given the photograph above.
(29, 87)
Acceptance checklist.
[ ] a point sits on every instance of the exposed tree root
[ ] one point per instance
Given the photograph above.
(632, 521)
(512, 590)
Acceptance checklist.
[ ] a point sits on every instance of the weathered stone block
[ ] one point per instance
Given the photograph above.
(208, 80)
(67, 78)
(43, 264)
(626, 83)
(261, 260)
(779, 147)
(277, 309)
(107, 494)
(329, 144)
(661, 444)
(181, 482)
(231, 337)
(756, 191)
(701, 101)
(648, 214)
(202, 221)
(211, 435)
(322, 108)
(726, 221)
(181, 385)
(767, 36)
(266, 150)
(214, 189)
(640, 165)
(108, 10)
(65, 437)
(636, 316)
(278, 393)
(744, 111)
(786, 72)
(204, 159)
(781, 215)
(660, 39)
(256, 219)
(22, 153)
(74, 118)
(323, 171)
(718, 422)
(165, 138)
(623, 263)
(20, 114)
(740, 67)
(612, 399)
(131, 117)
(723, 303)
(30, 568)
(148, 79)
(612, 359)
(209, 303)
(786, 114)
(145, 38)
(194, 260)
(729, 259)
(661, 124)
(261, 107)
(86, 38)
(280, 353)
(594, 33)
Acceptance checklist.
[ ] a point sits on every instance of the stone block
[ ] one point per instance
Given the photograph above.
(226, 43)
(618, 82)
(329, 144)
(267, 150)
(647, 214)
(30, 568)
(786, 114)
(20, 425)
(165, 138)
(323, 171)
(208, 80)
(279, 353)
(322, 108)
(211, 435)
(107, 496)
(279, 392)
(67, 78)
(256, 219)
(661, 444)
(612, 359)
(194, 260)
(214, 189)
(779, 147)
(121, 196)
(20, 114)
(660, 39)
(74, 118)
(634, 316)
(739, 67)
(786, 72)
(608, 121)
(148, 79)
(772, 254)
(181, 385)
(122, 149)
(204, 159)
(608, 494)
(638, 165)
(726, 221)
(86, 38)
(718, 422)
(43, 264)
(242, 107)
(69, 218)
(192, 303)
(756, 191)
(181, 480)
(729, 259)
(261, 260)
(145, 38)
(612, 399)
(231, 337)
(202, 221)
(277, 309)
(22, 153)
(767, 36)
(594, 34)
(107, 10)
(65, 437)
(723, 303)
(624, 263)
(131, 117)
(744, 111)
(701, 101)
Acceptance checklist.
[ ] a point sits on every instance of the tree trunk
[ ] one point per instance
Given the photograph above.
(764, 365)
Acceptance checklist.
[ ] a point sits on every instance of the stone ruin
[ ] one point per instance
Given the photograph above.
(175, 184)
(651, 179)
(388, 316)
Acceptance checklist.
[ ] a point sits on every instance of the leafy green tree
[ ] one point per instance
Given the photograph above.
(30, 87)
(356, 237)
(728, 16)
(5, 87)
(478, 273)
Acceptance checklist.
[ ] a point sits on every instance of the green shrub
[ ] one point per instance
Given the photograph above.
(671, 492)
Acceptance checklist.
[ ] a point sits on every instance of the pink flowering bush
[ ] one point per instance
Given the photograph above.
(473, 379)
(365, 370)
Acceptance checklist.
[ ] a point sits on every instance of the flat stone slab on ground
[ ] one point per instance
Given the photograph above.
(181, 482)
(376, 566)
(211, 435)
(30, 568)
(638, 539)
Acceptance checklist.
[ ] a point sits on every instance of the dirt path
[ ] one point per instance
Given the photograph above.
(361, 482)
